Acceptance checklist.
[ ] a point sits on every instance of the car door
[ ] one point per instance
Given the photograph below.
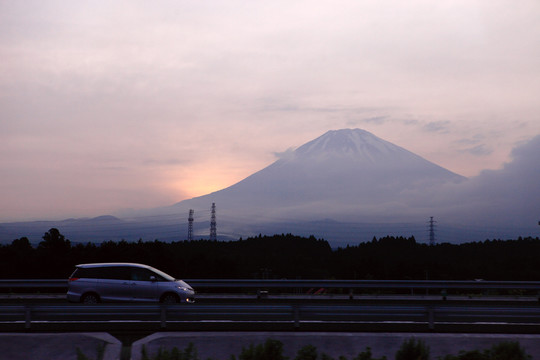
(115, 284)
(143, 285)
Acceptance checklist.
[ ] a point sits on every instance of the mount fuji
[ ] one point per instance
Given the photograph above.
(346, 187)
(345, 175)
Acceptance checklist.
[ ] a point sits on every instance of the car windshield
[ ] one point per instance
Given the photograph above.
(164, 275)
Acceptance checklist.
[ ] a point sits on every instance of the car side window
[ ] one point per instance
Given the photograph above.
(157, 276)
(94, 273)
(116, 273)
(138, 274)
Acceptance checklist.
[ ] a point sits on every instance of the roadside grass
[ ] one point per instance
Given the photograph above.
(411, 349)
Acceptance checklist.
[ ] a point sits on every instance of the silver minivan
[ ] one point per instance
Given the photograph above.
(108, 282)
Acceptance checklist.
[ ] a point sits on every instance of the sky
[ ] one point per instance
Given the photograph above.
(113, 105)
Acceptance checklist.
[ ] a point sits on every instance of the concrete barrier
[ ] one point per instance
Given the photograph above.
(218, 345)
(53, 346)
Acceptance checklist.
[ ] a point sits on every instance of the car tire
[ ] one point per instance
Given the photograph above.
(90, 299)
(170, 299)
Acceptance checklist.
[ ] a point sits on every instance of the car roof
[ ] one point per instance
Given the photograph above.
(91, 265)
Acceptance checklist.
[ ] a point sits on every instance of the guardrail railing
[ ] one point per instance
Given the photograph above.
(328, 284)
(276, 316)
(366, 284)
(33, 283)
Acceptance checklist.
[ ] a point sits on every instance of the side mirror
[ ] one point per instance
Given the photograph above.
(153, 278)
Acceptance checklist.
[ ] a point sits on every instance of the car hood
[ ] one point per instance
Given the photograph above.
(182, 283)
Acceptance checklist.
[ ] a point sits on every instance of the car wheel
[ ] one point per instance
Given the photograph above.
(90, 299)
(169, 299)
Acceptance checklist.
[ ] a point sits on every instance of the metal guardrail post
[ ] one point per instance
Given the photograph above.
(27, 317)
(296, 315)
(431, 318)
(163, 316)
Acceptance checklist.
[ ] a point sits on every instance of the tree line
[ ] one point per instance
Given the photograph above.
(282, 256)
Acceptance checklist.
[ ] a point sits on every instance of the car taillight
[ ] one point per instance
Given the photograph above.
(73, 279)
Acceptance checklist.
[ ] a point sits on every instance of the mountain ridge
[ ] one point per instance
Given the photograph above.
(347, 169)
(345, 186)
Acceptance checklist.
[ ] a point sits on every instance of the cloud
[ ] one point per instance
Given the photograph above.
(222, 86)
(285, 154)
(437, 126)
(165, 161)
(507, 197)
(506, 200)
(478, 150)
(378, 120)
(470, 140)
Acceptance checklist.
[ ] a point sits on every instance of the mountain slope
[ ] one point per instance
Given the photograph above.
(335, 175)
(345, 186)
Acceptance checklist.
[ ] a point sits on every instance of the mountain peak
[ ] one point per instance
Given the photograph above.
(338, 171)
(358, 144)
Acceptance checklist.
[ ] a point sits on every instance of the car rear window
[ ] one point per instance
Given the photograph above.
(87, 273)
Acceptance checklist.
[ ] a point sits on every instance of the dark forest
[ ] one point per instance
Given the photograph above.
(282, 256)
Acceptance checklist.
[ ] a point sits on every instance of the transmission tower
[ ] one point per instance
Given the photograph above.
(213, 232)
(431, 231)
(190, 225)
